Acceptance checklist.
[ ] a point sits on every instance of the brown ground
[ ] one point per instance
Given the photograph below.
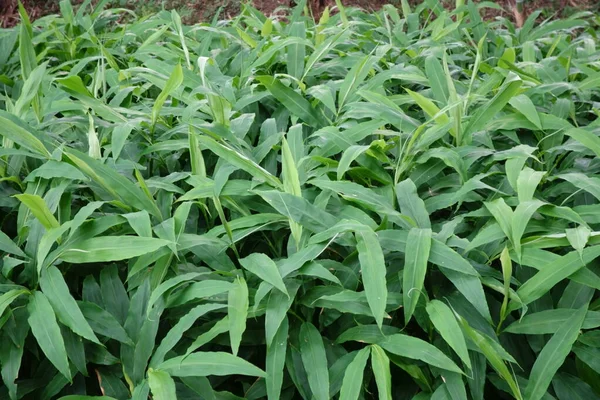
(203, 10)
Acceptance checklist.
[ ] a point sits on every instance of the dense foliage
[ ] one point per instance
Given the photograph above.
(397, 205)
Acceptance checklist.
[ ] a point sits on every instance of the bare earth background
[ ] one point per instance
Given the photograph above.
(204, 10)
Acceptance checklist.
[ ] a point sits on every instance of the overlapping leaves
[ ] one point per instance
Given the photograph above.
(400, 204)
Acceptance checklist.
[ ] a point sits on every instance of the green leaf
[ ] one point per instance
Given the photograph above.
(119, 138)
(7, 298)
(583, 182)
(525, 106)
(174, 81)
(586, 138)
(293, 101)
(354, 78)
(112, 182)
(162, 385)
(445, 323)
(568, 387)
(373, 268)
(220, 327)
(30, 89)
(418, 245)
(429, 107)
(553, 355)
(380, 363)
(527, 182)
(291, 184)
(56, 290)
(503, 215)
(80, 397)
(277, 308)
(315, 361)
(520, 219)
(237, 305)
(319, 271)
(16, 130)
(209, 363)
(437, 80)
(487, 111)
(8, 246)
(587, 354)
(114, 296)
(548, 321)
(39, 209)
(169, 284)
(110, 248)
(507, 269)
(263, 267)
(140, 222)
(353, 377)
(176, 332)
(296, 52)
(239, 160)
(350, 154)
(299, 210)
(417, 349)
(198, 290)
(411, 204)
(554, 272)
(103, 323)
(494, 357)
(44, 327)
(275, 363)
(578, 238)
(323, 49)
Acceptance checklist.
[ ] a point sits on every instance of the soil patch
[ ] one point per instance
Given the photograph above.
(204, 10)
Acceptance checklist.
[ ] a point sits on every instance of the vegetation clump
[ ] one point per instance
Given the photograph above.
(395, 205)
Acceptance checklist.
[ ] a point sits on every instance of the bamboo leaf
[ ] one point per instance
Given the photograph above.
(381, 369)
(417, 349)
(491, 353)
(353, 376)
(162, 385)
(411, 204)
(418, 245)
(237, 304)
(56, 290)
(263, 267)
(174, 81)
(373, 272)
(293, 101)
(110, 248)
(209, 363)
(39, 209)
(445, 323)
(315, 361)
(553, 355)
(44, 327)
(276, 352)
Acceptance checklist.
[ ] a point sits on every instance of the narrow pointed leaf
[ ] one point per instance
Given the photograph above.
(44, 327)
(162, 385)
(418, 245)
(315, 361)
(445, 323)
(263, 267)
(380, 363)
(238, 311)
(56, 290)
(553, 355)
(209, 363)
(353, 376)
(373, 269)
(276, 352)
